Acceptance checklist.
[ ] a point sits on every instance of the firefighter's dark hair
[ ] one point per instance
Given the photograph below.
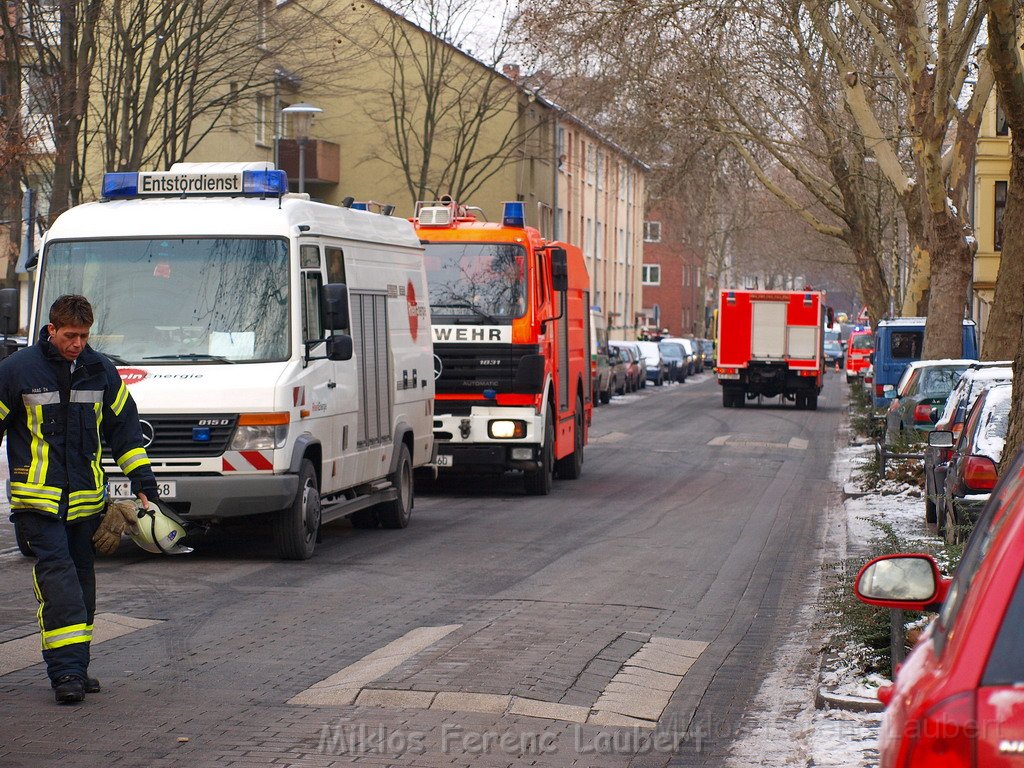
(71, 309)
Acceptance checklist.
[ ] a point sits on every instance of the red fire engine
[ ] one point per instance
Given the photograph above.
(769, 344)
(511, 330)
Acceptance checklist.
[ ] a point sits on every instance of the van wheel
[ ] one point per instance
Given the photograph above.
(538, 481)
(570, 467)
(296, 528)
(23, 545)
(396, 514)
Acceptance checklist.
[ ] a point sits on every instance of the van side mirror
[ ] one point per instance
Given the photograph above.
(339, 348)
(334, 307)
(9, 301)
(559, 269)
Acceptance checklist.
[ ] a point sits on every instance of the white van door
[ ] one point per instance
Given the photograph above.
(371, 338)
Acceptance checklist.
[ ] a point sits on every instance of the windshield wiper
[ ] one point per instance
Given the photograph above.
(191, 356)
(471, 307)
(115, 359)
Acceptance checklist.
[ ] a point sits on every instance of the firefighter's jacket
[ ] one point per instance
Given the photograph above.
(55, 419)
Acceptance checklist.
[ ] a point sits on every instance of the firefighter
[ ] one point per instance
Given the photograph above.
(58, 398)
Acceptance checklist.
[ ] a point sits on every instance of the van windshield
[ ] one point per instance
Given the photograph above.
(478, 282)
(177, 300)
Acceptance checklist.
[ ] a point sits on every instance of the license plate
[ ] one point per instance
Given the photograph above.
(122, 489)
(445, 461)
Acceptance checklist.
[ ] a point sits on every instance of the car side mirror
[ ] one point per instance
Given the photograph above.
(9, 306)
(339, 348)
(911, 582)
(559, 269)
(940, 438)
(334, 307)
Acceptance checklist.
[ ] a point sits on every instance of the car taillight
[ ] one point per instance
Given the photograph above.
(979, 473)
(945, 454)
(923, 414)
(879, 391)
(945, 736)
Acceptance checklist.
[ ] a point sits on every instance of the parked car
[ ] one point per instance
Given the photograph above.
(689, 352)
(972, 471)
(641, 362)
(600, 370)
(832, 351)
(859, 347)
(710, 358)
(618, 366)
(677, 358)
(657, 366)
(956, 699)
(698, 352)
(922, 393)
(974, 381)
(630, 356)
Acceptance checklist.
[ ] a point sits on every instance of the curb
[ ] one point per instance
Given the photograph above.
(824, 699)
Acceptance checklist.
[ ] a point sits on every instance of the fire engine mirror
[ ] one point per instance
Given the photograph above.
(334, 307)
(339, 348)
(559, 269)
(9, 311)
(940, 438)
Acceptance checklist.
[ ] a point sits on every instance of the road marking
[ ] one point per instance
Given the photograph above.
(343, 687)
(611, 437)
(635, 697)
(642, 688)
(720, 440)
(798, 443)
(739, 441)
(23, 652)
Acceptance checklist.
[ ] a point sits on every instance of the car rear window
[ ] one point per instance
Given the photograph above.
(906, 345)
(939, 381)
(1006, 662)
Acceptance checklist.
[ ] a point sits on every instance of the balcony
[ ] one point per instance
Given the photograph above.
(323, 161)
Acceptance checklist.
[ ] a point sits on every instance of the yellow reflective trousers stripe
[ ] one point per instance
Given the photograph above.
(75, 633)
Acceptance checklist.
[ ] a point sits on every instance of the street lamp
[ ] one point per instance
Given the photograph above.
(302, 115)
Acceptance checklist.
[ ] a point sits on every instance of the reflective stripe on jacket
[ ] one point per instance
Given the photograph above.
(54, 442)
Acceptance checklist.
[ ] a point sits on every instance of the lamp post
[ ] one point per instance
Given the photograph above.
(302, 115)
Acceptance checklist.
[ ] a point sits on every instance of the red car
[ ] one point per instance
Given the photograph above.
(859, 347)
(958, 699)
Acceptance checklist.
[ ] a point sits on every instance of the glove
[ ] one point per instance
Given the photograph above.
(119, 518)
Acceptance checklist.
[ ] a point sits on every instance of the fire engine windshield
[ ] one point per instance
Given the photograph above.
(177, 300)
(476, 282)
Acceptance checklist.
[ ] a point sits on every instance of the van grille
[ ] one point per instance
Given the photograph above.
(174, 436)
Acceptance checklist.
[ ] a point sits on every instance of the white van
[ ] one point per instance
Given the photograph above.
(279, 350)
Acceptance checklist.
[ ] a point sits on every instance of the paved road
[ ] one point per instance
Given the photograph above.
(625, 620)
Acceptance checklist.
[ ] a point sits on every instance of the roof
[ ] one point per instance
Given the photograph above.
(904, 321)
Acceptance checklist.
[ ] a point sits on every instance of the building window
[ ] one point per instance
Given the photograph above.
(651, 274)
(560, 150)
(652, 231)
(1000, 209)
(262, 112)
(1002, 129)
(591, 165)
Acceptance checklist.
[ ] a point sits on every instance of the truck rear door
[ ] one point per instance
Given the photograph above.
(768, 331)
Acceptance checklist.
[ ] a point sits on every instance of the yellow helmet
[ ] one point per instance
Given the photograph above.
(159, 530)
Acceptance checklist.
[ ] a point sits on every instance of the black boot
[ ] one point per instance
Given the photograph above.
(69, 689)
(92, 685)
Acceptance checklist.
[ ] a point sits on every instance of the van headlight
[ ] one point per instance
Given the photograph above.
(506, 429)
(260, 432)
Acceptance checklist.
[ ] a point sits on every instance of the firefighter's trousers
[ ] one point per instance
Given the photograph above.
(65, 586)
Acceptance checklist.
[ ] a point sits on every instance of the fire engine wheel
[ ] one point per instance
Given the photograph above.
(396, 514)
(571, 467)
(296, 528)
(812, 402)
(23, 545)
(538, 481)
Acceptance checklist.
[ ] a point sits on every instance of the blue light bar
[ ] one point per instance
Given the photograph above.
(120, 185)
(360, 206)
(264, 182)
(514, 214)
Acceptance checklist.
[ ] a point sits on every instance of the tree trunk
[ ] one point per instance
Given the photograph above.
(949, 279)
(1015, 432)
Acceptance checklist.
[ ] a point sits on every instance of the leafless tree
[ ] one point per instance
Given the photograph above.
(449, 119)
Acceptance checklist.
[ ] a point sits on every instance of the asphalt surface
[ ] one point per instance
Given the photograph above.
(691, 522)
